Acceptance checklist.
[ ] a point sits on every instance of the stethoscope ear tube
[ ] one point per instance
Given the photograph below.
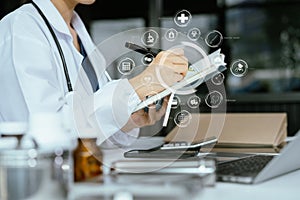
(63, 60)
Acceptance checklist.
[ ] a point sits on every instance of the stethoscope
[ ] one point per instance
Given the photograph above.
(63, 60)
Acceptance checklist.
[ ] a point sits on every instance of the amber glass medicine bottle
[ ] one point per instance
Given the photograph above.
(87, 160)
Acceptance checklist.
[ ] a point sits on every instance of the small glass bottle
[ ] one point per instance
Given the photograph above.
(87, 161)
(13, 130)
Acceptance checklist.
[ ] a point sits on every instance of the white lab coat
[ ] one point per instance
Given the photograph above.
(32, 78)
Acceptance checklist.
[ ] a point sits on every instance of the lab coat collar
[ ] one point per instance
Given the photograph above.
(53, 16)
(81, 31)
(57, 22)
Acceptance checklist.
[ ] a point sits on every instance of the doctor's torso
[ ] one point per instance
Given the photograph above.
(32, 78)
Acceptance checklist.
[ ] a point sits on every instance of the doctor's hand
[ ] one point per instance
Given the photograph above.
(168, 68)
(141, 118)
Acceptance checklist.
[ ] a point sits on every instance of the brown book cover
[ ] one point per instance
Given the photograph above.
(234, 129)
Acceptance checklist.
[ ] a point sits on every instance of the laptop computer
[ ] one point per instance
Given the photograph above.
(258, 168)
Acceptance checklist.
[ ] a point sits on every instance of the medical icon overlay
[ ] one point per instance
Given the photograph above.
(147, 80)
(183, 118)
(214, 39)
(194, 34)
(171, 34)
(194, 101)
(147, 59)
(239, 68)
(175, 102)
(182, 18)
(218, 79)
(126, 66)
(149, 38)
(214, 99)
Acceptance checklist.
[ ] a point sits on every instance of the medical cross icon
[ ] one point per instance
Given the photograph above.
(182, 18)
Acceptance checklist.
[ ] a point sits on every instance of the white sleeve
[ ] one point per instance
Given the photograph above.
(121, 139)
(113, 105)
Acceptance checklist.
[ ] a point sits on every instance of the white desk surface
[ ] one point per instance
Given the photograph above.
(283, 187)
(286, 187)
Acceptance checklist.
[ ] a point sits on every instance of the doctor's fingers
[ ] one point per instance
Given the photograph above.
(173, 78)
(178, 68)
(172, 58)
(161, 112)
(165, 57)
(176, 63)
(151, 114)
(170, 52)
(154, 115)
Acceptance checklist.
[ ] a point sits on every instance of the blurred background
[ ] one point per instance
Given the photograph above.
(263, 33)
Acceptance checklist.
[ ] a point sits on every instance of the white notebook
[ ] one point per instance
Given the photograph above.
(198, 73)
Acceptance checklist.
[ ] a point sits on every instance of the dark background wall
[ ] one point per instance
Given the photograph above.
(259, 100)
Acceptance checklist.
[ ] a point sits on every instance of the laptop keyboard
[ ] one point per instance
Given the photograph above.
(248, 166)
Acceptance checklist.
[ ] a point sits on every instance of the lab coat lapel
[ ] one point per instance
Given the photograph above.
(53, 16)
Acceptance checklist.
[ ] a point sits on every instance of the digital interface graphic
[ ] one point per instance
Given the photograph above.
(130, 52)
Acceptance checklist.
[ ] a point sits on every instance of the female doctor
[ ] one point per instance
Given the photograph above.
(35, 77)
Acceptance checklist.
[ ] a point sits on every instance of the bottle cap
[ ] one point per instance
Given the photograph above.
(13, 128)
